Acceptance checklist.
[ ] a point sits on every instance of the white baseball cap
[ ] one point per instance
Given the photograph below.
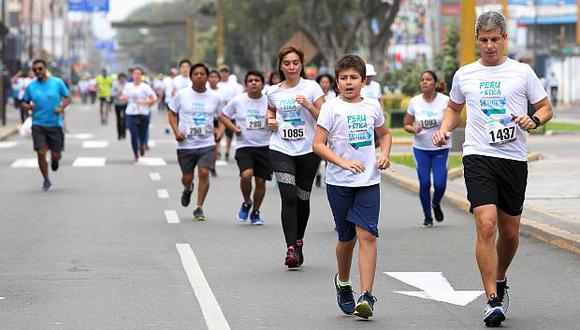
(370, 70)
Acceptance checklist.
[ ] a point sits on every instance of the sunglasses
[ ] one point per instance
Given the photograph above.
(37, 69)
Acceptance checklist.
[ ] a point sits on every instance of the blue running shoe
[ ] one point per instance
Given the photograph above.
(365, 305)
(244, 211)
(344, 297)
(255, 218)
(46, 185)
(493, 314)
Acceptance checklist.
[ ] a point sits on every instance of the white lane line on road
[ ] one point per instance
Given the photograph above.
(171, 216)
(162, 193)
(212, 312)
(95, 144)
(7, 145)
(151, 161)
(25, 163)
(89, 162)
(155, 176)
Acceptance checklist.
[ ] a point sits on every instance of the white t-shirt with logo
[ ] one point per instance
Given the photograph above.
(350, 129)
(167, 89)
(196, 112)
(180, 82)
(428, 115)
(134, 92)
(372, 91)
(493, 95)
(295, 123)
(229, 89)
(250, 116)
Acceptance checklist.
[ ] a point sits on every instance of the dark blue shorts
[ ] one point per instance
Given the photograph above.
(354, 206)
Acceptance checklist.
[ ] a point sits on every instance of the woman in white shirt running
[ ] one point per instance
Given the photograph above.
(293, 107)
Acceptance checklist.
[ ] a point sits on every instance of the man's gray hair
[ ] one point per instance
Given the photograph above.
(490, 20)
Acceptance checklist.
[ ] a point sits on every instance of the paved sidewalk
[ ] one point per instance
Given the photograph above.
(12, 122)
(552, 197)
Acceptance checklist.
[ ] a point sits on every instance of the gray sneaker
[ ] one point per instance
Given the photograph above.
(198, 214)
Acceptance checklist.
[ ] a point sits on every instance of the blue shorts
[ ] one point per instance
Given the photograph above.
(354, 206)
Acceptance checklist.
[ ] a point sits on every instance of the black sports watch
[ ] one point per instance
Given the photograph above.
(536, 121)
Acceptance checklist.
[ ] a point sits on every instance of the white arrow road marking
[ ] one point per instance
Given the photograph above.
(2, 298)
(171, 216)
(95, 144)
(434, 286)
(212, 312)
(162, 193)
(155, 176)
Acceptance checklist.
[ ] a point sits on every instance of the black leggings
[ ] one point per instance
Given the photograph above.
(121, 126)
(294, 175)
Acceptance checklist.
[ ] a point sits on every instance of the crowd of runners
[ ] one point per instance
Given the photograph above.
(285, 126)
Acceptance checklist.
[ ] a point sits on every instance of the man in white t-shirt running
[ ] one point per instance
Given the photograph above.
(191, 118)
(245, 115)
(495, 90)
(182, 79)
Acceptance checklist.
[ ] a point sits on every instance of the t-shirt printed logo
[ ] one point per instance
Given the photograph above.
(499, 124)
(290, 111)
(359, 133)
(255, 120)
(198, 114)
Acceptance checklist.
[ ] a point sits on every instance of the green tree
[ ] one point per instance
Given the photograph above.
(446, 61)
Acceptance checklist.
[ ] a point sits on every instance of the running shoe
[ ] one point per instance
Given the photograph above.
(365, 305)
(142, 151)
(244, 211)
(198, 214)
(493, 314)
(255, 218)
(299, 245)
(344, 296)
(186, 196)
(318, 181)
(46, 185)
(54, 165)
(291, 260)
(438, 213)
(428, 223)
(502, 294)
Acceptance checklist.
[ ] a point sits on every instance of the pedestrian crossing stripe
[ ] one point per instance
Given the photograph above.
(25, 163)
(151, 161)
(8, 145)
(89, 162)
(221, 163)
(80, 136)
(95, 144)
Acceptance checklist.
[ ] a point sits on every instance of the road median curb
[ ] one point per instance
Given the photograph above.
(5, 134)
(546, 233)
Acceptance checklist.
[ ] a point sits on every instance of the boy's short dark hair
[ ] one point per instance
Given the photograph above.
(184, 61)
(213, 71)
(198, 65)
(254, 73)
(41, 61)
(350, 62)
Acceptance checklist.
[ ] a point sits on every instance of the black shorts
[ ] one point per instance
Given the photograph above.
(190, 158)
(498, 181)
(105, 100)
(256, 158)
(51, 137)
(229, 132)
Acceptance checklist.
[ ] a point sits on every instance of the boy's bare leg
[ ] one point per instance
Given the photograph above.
(367, 259)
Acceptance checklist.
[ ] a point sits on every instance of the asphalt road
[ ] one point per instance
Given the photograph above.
(97, 252)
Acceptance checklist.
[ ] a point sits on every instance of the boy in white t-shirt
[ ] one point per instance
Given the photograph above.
(344, 138)
(191, 118)
(245, 115)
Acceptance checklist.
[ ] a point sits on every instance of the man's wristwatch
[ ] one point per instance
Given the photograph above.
(536, 121)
